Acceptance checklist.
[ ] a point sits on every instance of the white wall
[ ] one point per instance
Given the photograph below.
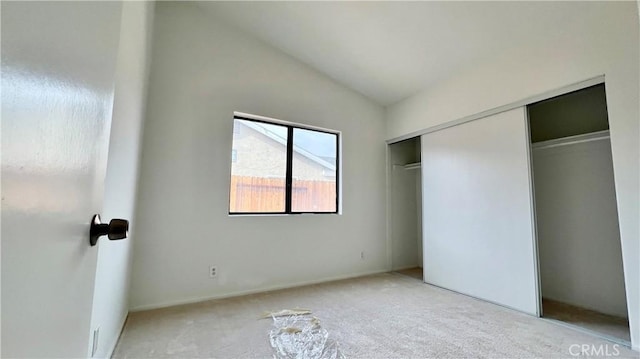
(111, 295)
(404, 221)
(58, 70)
(478, 230)
(577, 221)
(605, 44)
(203, 71)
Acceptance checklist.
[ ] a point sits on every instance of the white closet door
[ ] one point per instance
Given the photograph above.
(477, 212)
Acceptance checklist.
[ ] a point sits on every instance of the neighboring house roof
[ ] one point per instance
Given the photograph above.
(276, 137)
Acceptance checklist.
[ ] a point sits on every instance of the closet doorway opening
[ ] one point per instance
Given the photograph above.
(578, 238)
(406, 208)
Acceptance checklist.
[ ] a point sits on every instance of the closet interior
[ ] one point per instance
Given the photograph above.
(406, 207)
(578, 238)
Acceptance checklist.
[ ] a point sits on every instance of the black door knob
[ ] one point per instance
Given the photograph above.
(116, 229)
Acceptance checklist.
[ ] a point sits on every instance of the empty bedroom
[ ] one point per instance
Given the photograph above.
(222, 179)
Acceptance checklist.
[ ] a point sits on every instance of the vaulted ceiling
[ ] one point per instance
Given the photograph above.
(391, 50)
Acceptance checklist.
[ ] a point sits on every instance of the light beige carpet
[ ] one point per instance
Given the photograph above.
(608, 325)
(412, 272)
(381, 316)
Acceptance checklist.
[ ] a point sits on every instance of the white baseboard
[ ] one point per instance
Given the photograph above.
(405, 267)
(251, 291)
(115, 342)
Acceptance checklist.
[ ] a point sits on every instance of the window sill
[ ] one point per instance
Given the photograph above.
(279, 214)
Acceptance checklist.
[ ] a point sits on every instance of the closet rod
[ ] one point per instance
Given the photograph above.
(412, 166)
(408, 166)
(571, 140)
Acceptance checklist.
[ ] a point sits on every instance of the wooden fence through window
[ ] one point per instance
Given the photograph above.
(259, 194)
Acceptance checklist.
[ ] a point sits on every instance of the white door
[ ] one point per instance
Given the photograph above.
(58, 63)
(477, 210)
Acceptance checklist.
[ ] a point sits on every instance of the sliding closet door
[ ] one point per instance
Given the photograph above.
(477, 212)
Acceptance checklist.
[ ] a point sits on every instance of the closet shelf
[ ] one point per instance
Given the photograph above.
(412, 166)
(571, 140)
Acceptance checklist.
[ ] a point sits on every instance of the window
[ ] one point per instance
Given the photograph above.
(282, 168)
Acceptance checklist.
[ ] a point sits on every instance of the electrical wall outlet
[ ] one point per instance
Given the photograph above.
(362, 255)
(213, 271)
